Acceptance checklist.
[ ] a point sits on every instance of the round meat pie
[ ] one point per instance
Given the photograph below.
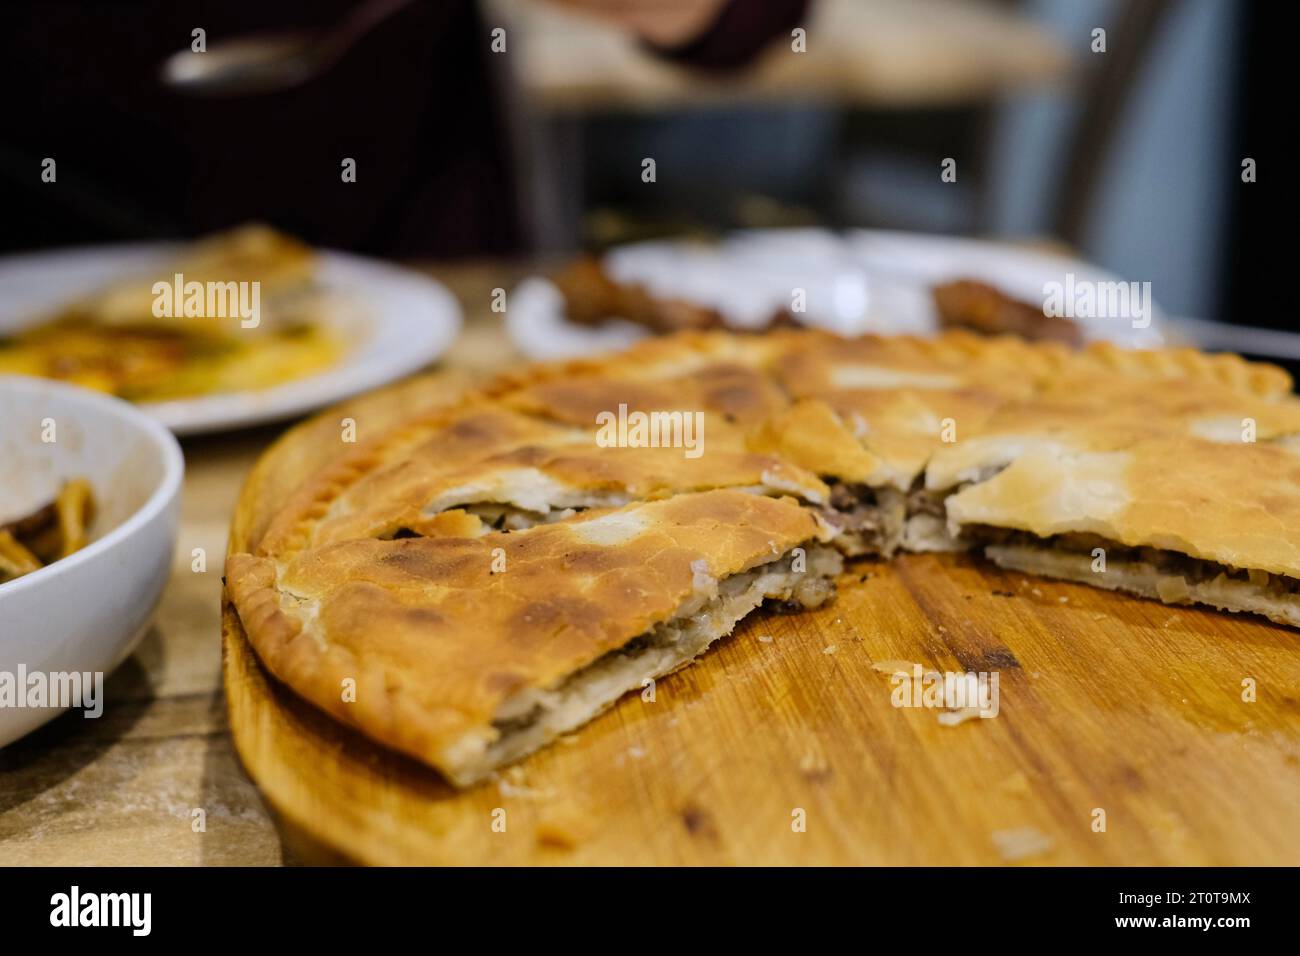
(491, 573)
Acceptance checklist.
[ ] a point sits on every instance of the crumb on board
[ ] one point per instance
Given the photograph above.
(1021, 843)
(555, 836)
(765, 638)
(562, 829)
(513, 783)
(829, 649)
(813, 763)
(894, 667)
(951, 718)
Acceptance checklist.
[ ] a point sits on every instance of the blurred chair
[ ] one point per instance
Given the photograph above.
(1110, 82)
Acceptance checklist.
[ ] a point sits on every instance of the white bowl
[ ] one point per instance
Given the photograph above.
(85, 613)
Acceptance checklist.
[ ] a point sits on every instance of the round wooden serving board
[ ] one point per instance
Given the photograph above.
(1113, 711)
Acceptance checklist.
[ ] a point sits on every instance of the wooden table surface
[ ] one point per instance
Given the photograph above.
(123, 789)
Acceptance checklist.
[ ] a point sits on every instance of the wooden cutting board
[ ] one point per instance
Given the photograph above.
(1122, 735)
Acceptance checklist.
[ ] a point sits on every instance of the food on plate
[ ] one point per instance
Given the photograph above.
(592, 296)
(980, 307)
(47, 534)
(494, 571)
(234, 311)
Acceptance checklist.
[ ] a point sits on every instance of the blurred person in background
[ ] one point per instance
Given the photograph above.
(417, 103)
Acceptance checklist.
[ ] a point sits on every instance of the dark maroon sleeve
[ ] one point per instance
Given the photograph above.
(742, 29)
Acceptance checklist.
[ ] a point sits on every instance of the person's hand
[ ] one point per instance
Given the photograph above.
(665, 23)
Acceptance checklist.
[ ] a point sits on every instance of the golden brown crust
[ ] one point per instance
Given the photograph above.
(435, 633)
(1240, 509)
(1098, 440)
(811, 435)
(1233, 371)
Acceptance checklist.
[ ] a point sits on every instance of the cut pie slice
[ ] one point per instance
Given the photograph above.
(1084, 410)
(1176, 518)
(471, 652)
(499, 469)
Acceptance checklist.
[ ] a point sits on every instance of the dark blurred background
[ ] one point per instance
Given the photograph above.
(1130, 158)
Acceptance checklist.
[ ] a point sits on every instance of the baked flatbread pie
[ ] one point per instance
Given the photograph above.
(491, 573)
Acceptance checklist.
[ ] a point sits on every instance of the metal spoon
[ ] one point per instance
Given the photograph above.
(269, 62)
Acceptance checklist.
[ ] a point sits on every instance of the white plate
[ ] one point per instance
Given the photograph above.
(856, 282)
(399, 320)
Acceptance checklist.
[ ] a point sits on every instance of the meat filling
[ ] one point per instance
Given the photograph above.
(532, 717)
(868, 520)
(926, 528)
(1192, 570)
(509, 518)
(1168, 576)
